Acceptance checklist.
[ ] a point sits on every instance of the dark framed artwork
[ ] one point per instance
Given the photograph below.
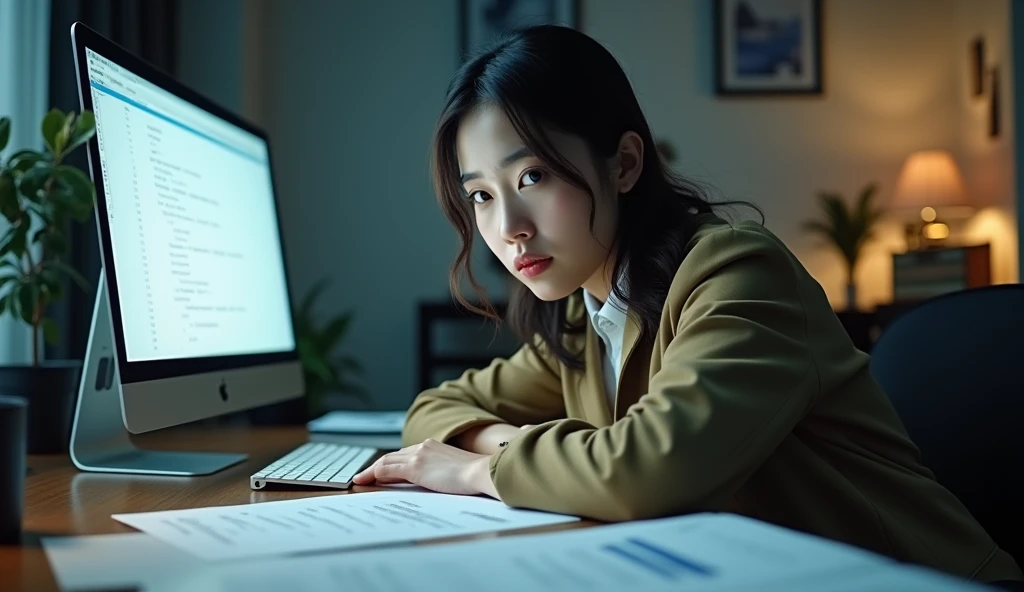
(767, 47)
(482, 21)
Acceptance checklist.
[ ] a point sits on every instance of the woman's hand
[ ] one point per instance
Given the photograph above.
(435, 466)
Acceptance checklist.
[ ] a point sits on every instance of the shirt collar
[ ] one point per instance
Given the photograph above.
(613, 309)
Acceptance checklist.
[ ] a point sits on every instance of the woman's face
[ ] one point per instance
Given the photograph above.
(537, 224)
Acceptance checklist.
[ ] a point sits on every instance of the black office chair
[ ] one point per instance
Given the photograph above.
(953, 367)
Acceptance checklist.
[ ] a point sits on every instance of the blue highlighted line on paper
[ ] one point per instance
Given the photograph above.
(655, 559)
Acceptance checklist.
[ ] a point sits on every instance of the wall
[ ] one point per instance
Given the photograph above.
(1017, 105)
(210, 49)
(988, 162)
(350, 92)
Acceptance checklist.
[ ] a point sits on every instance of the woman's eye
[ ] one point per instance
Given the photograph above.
(531, 177)
(479, 197)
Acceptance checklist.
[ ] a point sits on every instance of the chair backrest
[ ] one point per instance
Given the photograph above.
(954, 369)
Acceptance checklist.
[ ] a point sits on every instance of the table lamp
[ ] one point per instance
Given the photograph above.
(929, 182)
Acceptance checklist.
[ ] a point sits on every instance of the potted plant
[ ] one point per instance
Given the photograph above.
(39, 197)
(325, 370)
(847, 229)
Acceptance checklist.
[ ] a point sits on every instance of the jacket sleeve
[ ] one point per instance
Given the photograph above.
(524, 389)
(734, 380)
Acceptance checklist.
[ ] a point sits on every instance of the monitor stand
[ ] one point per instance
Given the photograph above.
(99, 441)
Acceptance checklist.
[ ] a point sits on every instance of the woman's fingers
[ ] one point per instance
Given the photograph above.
(389, 468)
(392, 473)
(366, 476)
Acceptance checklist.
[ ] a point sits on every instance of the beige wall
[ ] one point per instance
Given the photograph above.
(988, 162)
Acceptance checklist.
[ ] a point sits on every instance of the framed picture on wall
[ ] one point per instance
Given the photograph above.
(767, 47)
(481, 21)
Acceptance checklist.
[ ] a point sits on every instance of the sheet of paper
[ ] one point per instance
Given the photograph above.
(114, 561)
(334, 522)
(705, 552)
(359, 422)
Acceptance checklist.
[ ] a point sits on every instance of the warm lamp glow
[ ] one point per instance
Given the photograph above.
(928, 214)
(930, 178)
(936, 231)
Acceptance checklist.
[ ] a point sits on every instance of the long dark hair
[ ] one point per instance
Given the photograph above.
(556, 77)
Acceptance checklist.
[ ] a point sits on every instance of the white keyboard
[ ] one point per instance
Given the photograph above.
(316, 464)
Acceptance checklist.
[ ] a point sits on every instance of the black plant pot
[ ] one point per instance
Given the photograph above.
(50, 389)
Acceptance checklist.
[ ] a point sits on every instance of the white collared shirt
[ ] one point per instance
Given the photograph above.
(609, 321)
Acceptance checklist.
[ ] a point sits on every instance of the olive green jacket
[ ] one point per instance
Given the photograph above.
(749, 399)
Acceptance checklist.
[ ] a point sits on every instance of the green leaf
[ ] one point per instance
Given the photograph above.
(52, 124)
(51, 283)
(23, 160)
(27, 299)
(10, 205)
(14, 241)
(6, 280)
(5, 131)
(12, 264)
(313, 362)
(54, 243)
(85, 128)
(306, 308)
(350, 364)
(80, 189)
(333, 333)
(50, 331)
(60, 142)
(33, 181)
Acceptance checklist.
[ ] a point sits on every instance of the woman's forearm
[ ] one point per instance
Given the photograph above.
(486, 439)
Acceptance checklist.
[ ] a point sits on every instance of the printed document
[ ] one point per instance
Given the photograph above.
(703, 552)
(333, 522)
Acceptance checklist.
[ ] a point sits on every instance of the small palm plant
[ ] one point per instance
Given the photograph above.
(847, 229)
(325, 370)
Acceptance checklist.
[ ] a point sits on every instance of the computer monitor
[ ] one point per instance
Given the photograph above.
(192, 316)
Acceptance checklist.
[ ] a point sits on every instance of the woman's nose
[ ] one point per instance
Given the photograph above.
(516, 224)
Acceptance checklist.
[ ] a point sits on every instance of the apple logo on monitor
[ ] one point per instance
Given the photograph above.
(223, 390)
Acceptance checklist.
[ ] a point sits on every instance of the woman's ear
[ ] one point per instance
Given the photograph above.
(630, 163)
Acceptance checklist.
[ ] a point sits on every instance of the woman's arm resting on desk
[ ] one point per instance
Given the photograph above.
(524, 389)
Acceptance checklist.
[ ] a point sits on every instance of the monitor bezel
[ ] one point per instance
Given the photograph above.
(149, 370)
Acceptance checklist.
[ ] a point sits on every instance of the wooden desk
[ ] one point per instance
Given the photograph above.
(60, 500)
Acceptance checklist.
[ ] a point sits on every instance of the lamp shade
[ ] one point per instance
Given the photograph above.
(930, 178)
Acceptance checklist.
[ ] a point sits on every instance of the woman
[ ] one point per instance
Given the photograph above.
(676, 362)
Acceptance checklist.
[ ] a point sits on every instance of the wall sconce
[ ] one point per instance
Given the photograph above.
(979, 73)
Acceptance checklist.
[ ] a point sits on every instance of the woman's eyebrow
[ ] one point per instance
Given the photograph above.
(506, 162)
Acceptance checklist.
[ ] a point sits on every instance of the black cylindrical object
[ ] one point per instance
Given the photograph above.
(12, 467)
(51, 389)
